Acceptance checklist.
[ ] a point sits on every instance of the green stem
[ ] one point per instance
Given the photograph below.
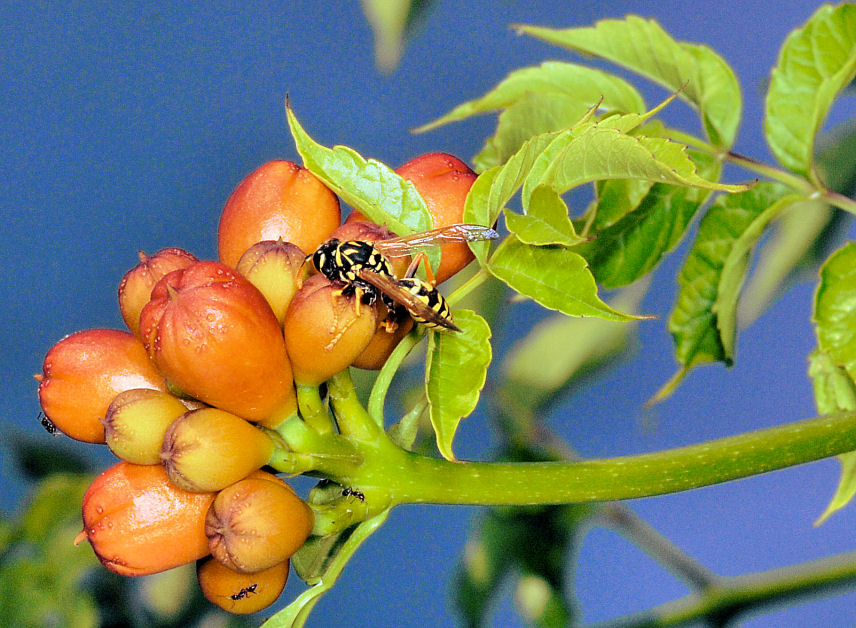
(410, 478)
(732, 596)
(377, 398)
(312, 409)
(351, 417)
(468, 286)
(791, 180)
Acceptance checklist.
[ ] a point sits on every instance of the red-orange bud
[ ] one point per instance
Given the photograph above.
(135, 289)
(280, 200)
(82, 374)
(139, 523)
(214, 336)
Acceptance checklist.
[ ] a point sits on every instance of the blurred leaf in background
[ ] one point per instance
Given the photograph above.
(392, 22)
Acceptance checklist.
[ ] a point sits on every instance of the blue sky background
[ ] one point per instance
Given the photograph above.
(125, 127)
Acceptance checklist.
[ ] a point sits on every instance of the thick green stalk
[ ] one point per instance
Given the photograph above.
(737, 595)
(411, 478)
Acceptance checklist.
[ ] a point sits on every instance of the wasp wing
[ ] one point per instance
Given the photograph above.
(389, 286)
(441, 235)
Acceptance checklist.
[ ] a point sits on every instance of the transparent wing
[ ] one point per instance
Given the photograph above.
(439, 236)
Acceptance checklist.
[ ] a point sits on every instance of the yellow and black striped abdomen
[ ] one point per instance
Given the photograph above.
(432, 299)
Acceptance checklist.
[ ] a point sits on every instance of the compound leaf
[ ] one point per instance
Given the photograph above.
(815, 63)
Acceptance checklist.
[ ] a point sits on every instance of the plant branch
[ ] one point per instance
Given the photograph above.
(736, 595)
(410, 478)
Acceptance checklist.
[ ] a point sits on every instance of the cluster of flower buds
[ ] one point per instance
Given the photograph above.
(187, 397)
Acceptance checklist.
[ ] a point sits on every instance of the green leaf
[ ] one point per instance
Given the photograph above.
(635, 244)
(616, 198)
(583, 84)
(706, 81)
(560, 348)
(546, 221)
(391, 22)
(815, 64)
(596, 152)
(532, 115)
(793, 246)
(456, 368)
(695, 321)
(835, 308)
(834, 391)
(295, 614)
(554, 276)
(366, 185)
(495, 187)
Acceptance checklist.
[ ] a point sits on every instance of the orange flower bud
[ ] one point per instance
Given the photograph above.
(240, 593)
(136, 421)
(382, 344)
(139, 523)
(209, 449)
(82, 374)
(323, 332)
(280, 200)
(256, 523)
(274, 268)
(214, 336)
(135, 289)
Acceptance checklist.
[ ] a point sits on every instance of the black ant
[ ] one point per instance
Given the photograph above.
(244, 592)
(348, 491)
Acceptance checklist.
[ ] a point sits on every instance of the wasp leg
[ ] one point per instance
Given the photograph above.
(429, 274)
(390, 322)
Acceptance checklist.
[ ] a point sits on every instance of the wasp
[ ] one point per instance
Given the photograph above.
(365, 270)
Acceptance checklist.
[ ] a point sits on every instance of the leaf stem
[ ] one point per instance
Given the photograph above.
(736, 595)
(468, 286)
(377, 398)
(793, 181)
(351, 417)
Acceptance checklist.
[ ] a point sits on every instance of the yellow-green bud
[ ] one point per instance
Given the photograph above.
(209, 449)
(273, 266)
(136, 421)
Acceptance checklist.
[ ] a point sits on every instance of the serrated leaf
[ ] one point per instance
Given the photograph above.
(835, 308)
(495, 187)
(295, 614)
(554, 276)
(588, 86)
(456, 368)
(706, 81)
(532, 115)
(558, 349)
(635, 244)
(546, 221)
(816, 62)
(365, 184)
(596, 152)
(834, 391)
(694, 323)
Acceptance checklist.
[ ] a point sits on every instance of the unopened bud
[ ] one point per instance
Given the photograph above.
(256, 523)
(240, 593)
(273, 266)
(136, 421)
(209, 449)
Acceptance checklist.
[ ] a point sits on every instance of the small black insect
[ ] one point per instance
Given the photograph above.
(348, 491)
(244, 592)
(47, 423)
